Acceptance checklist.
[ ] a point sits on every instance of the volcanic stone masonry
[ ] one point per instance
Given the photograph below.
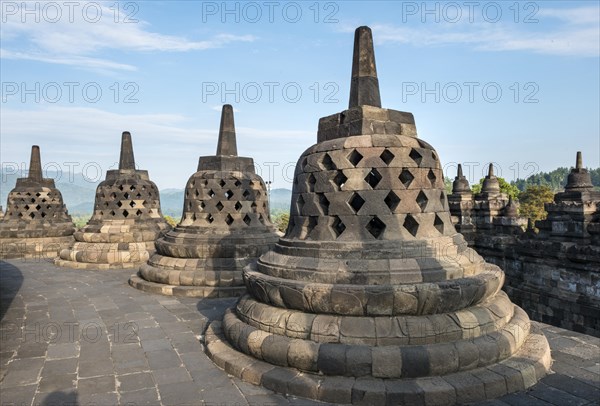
(554, 274)
(126, 220)
(225, 225)
(372, 297)
(37, 223)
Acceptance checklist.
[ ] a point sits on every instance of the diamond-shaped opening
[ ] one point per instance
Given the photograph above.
(125, 213)
(38, 194)
(415, 156)
(44, 200)
(38, 207)
(422, 200)
(132, 188)
(33, 200)
(300, 204)
(246, 193)
(229, 194)
(323, 202)
(238, 206)
(132, 204)
(406, 177)
(138, 213)
(356, 202)
(438, 223)
(119, 203)
(373, 178)
(261, 218)
(304, 163)
(312, 223)
(355, 157)
(32, 214)
(43, 214)
(386, 156)
(121, 187)
(337, 226)
(433, 155)
(26, 207)
(202, 205)
(229, 219)
(113, 195)
(376, 227)
(247, 220)
(411, 225)
(210, 218)
(431, 176)
(20, 214)
(112, 213)
(327, 163)
(222, 183)
(340, 179)
(311, 182)
(126, 195)
(197, 193)
(237, 183)
(219, 206)
(392, 200)
(211, 193)
(139, 195)
(143, 188)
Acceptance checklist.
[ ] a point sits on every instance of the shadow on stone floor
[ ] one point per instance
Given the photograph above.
(11, 280)
(59, 398)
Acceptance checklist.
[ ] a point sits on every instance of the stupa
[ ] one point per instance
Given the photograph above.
(126, 220)
(224, 226)
(573, 209)
(372, 297)
(37, 223)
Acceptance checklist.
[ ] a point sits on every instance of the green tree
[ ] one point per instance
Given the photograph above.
(172, 221)
(505, 187)
(281, 220)
(448, 185)
(532, 202)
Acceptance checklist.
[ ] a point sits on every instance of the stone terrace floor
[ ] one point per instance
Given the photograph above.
(75, 337)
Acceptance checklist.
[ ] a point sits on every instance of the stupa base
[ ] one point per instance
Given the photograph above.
(186, 291)
(516, 373)
(42, 248)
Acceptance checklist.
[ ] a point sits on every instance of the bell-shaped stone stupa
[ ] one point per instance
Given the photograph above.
(372, 297)
(126, 220)
(225, 225)
(36, 223)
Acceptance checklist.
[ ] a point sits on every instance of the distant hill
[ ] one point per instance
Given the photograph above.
(555, 180)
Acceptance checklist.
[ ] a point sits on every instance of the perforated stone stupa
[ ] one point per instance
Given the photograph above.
(372, 297)
(126, 220)
(225, 225)
(36, 223)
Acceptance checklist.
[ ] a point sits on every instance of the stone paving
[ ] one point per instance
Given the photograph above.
(72, 337)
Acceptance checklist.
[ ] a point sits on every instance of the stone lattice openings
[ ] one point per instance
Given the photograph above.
(372, 297)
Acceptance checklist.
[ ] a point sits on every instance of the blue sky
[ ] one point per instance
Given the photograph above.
(165, 68)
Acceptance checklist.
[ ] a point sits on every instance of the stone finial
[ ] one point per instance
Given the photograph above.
(460, 184)
(227, 144)
(511, 209)
(490, 183)
(364, 87)
(579, 178)
(35, 164)
(126, 161)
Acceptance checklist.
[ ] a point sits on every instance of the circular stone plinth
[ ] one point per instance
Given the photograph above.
(95, 266)
(188, 291)
(44, 247)
(519, 372)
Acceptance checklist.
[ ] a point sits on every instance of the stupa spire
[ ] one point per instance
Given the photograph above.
(35, 164)
(364, 87)
(126, 161)
(227, 144)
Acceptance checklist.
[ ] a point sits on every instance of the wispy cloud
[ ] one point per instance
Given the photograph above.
(574, 31)
(78, 42)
